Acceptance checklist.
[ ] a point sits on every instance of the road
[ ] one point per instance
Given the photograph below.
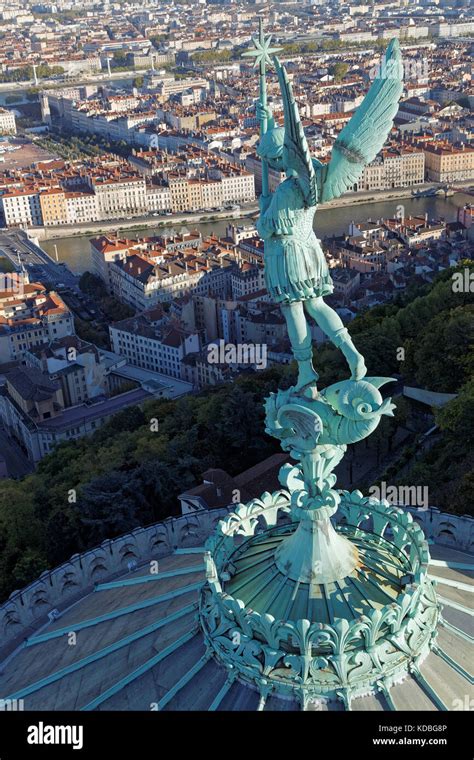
(59, 82)
(22, 252)
(147, 220)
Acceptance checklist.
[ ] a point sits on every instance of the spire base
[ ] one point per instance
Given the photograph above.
(315, 553)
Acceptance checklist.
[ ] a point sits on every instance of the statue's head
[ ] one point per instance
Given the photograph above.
(270, 147)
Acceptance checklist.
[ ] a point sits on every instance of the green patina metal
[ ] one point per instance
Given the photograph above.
(150, 578)
(371, 639)
(314, 593)
(109, 649)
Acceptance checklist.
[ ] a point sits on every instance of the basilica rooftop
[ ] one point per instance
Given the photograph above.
(117, 628)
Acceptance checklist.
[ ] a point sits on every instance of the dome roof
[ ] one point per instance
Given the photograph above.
(134, 641)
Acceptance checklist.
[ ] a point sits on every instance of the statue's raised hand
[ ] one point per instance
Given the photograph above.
(264, 112)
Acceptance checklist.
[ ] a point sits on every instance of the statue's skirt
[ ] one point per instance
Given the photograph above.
(295, 270)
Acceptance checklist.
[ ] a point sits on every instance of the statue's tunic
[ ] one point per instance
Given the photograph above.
(295, 265)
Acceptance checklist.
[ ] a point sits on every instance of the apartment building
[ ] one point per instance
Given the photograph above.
(394, 167)
(160, 348)
(30, 316)
(21, 208)
(158, 198)
(254, 166)
(57, 192)
(137, 281)
(246, 278)
(456, 29)
(413, 230)
(7, 122)
(184, 118)
(149, 271)
(33, 410)
(107, 249)
(167, 86)
(120, 195)
(179, 194)
(88, 118)
(104, 251)
(362, 255)
(201, 373)
(77, 366)
(346, 282)
(238, 187)
(447, 163)
(262, 324)
(54, 208)
(28, 397)
(81, 207)
(466, 217)
(210, 315)
(232, 186)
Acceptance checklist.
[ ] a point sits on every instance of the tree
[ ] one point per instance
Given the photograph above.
(457, 417)
(338, 71)
(120, 57)
(442, 356)
(92, 285)
(110, 505)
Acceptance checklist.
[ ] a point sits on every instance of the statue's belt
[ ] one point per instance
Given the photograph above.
(294, 238)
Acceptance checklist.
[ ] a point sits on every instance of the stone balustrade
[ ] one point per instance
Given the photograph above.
(58, 588)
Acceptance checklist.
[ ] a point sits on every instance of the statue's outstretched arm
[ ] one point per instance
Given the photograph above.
(363, 137)
(261, 110)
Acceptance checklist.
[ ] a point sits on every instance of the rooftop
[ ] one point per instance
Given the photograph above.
(139, 643)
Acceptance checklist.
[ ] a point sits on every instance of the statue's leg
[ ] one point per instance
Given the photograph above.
(331, 324)
(301, 343)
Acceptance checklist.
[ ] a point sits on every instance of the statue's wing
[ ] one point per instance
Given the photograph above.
(296, 154)
(363, 137)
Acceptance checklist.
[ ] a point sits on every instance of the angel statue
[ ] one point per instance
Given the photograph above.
(296, 273)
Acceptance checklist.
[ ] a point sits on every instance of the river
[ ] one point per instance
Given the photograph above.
(75, 251)
(19, 92)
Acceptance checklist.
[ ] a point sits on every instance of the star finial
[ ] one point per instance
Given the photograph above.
(263, 50)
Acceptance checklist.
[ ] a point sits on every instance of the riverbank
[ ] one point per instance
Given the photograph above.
(95, 77)
(138, 223)
(75, 250)
(189, 220)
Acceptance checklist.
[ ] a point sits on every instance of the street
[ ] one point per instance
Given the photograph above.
(22, 252)
(16, 246)
(16, 460)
